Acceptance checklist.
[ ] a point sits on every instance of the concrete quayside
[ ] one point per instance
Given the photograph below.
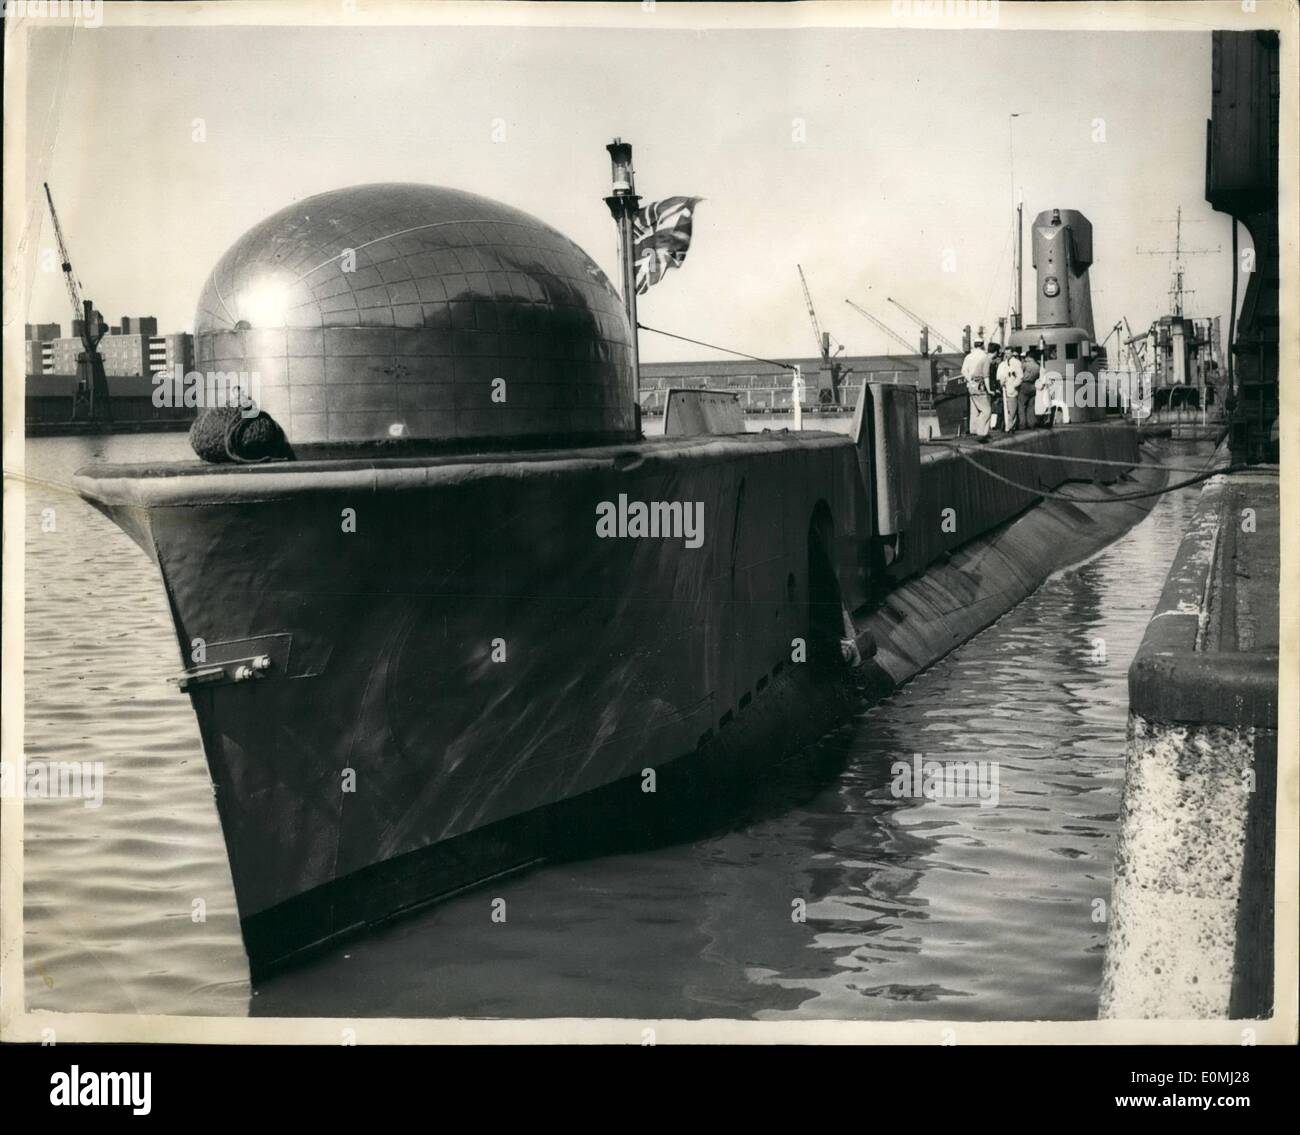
(1192, 918)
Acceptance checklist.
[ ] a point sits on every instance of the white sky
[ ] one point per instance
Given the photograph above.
(906, 156)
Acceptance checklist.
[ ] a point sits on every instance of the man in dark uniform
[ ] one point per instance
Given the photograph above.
(1028, 388)
(995, 387)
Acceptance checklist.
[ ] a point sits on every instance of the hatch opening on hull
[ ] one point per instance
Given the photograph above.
(825, 608)
(886, 434)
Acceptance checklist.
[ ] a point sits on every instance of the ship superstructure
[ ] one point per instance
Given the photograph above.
(1062, 334)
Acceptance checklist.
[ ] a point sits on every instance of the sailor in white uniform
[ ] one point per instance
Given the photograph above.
(975, 370)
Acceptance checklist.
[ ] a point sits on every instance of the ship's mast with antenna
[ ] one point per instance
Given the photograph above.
(1177, 293)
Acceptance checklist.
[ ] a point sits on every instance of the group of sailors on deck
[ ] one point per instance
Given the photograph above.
(1007, 388)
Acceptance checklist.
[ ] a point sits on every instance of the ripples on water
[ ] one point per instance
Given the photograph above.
(109, 892)
(914, 908)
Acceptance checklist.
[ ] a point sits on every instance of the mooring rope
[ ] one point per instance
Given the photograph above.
(715, 347)
(1062, 457)
(1032, 490)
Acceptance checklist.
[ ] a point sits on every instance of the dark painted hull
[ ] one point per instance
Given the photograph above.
(473, 679)
(384, 726)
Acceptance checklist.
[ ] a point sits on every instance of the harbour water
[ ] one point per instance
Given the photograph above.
(830, 898)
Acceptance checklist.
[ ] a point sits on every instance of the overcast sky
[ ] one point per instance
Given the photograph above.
(905, 155)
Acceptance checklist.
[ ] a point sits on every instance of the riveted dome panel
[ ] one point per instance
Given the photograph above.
(414, 313)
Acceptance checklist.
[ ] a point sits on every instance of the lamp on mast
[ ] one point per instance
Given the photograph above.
(623, 203)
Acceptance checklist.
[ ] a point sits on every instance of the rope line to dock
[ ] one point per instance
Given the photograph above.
(1089, 460)
(11, 474)
(715, 347)
(1205, 475)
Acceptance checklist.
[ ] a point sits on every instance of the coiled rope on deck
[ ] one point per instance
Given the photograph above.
(227, 434)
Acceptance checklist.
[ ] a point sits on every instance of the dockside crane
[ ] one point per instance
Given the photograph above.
(1136, 354)
(927, 329)
(829, 361)
(1116, 333)
(1137, 345)
(883, 326)
(90, 399)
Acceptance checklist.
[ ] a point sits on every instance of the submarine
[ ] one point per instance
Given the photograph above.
(420, 653)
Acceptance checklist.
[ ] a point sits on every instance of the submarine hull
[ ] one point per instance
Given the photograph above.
(413, 675)
(390, 657)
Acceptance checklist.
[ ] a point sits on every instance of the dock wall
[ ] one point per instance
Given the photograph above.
(1191, 919)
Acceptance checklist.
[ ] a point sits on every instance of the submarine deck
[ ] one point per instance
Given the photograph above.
(99, 479)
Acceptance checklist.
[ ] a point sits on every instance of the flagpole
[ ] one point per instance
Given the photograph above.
(623, 204)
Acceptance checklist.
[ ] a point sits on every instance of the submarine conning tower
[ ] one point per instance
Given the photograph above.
(406, 316)
(1062, 257)
(1062, 334)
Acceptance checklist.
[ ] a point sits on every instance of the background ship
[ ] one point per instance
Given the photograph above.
(1183, 387)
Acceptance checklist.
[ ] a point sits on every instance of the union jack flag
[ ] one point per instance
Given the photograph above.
(661, 234)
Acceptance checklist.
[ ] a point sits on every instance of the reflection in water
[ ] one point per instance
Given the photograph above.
(834, 899)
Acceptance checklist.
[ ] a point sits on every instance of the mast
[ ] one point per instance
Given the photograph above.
(1177, 289)
(1177, 295)
(623, 203)
(1017, 316)
(1018, 253)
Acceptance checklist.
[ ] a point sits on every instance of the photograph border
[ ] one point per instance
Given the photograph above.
(19, 1024)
